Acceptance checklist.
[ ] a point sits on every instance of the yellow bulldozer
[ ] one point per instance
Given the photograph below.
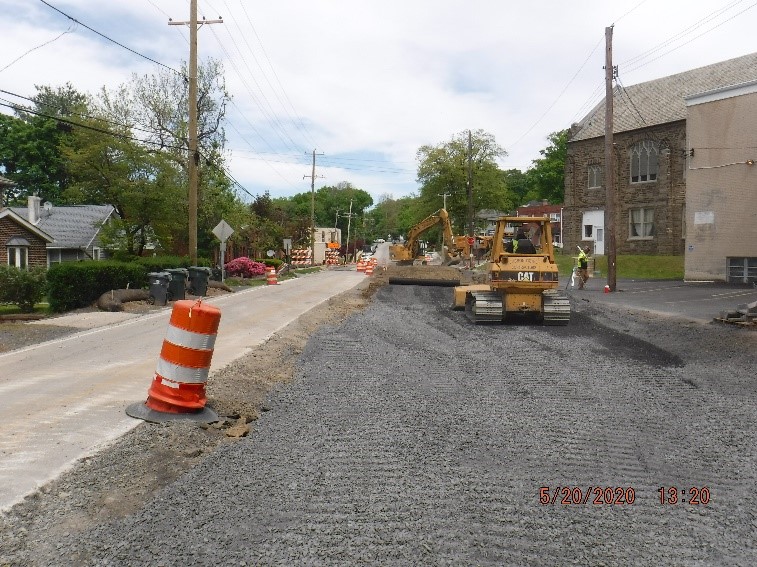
(407, 252)
(521, 278)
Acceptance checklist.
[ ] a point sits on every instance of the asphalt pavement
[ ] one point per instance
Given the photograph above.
(696, 301)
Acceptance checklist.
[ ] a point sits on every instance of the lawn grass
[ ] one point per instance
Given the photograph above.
(11, 309)
(632, 267)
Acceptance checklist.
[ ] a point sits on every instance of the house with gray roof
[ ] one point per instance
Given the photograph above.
(74, 231)
(651, 156)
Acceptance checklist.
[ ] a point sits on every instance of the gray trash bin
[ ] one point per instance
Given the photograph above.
(158, 287)
(198, 280)
(178, 284)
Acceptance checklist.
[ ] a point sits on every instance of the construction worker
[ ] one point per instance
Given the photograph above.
(583, 266)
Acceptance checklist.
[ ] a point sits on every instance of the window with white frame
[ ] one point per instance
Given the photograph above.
(644, 163)
(595, 176)
(18, 256)
(641, 223)
(17, 249)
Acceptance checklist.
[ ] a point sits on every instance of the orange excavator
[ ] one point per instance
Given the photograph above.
(407, 252)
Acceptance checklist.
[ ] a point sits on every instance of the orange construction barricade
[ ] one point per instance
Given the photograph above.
(178, 387)
(271, 278)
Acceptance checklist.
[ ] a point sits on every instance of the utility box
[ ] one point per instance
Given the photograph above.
(178, 284)
(198, 280)
(158, 287)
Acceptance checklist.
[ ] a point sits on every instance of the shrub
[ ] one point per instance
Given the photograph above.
(78, 284)
(245, 268)
(24, 288)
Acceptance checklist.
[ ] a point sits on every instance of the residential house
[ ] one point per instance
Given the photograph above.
(74, 231)
(721, 185)
(651, 158)
(22, 244)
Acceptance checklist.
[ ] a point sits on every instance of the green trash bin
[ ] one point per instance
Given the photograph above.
(198, 280)
(158, 287)
(178, 284)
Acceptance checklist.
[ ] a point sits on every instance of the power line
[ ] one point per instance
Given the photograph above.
(69, 30)
(110, 39)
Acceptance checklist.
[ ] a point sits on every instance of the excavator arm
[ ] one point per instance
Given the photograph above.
(409, 250)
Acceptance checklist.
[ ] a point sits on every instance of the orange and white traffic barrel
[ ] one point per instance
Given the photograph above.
(178, 387)
(369, 269)
(271, 278)
(361, 266)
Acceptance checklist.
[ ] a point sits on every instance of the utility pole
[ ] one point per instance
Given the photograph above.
(609, 164)
(312, 211)
(349, 216)
(444, 197)
(469, 184)
(194, 154)
(470, 195)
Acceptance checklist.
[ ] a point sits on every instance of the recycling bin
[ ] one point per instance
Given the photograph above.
(198, 280)
(158, 287)
(177, 285)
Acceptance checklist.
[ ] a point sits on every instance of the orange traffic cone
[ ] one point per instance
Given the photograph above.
(178, 388)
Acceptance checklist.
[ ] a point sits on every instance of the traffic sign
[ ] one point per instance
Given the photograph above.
(471, 241)
(222, 230)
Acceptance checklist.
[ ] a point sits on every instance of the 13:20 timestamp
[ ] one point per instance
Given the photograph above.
(696, 495)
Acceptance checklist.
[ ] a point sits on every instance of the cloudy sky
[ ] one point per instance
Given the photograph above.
(366, 83)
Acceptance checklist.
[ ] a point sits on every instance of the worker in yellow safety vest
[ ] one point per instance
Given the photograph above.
(583, 266)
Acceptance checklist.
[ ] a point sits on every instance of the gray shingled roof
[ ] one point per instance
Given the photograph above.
(70, 226)
(662, 100)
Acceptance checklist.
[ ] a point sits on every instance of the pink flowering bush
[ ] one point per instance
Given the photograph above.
(244, 268)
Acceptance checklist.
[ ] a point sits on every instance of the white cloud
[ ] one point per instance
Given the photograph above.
(378, 79)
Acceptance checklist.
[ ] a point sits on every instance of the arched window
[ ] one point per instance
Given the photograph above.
(18, 252)
(644, 163)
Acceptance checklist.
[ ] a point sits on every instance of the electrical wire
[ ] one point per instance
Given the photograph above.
(69, 30)
(110, 39)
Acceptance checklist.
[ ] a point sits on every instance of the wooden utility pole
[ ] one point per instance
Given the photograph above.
(469, 184)
(609, 164)
(194, 155)
(312, 211)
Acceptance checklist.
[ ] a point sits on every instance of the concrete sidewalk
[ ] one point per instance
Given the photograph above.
(697, 301)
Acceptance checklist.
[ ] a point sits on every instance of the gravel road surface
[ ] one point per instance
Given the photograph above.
(408, 436)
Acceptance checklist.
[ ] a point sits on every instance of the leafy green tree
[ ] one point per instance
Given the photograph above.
(143, 186)
(546, 178)
(444, 169)
(30, 143)
(517, 185)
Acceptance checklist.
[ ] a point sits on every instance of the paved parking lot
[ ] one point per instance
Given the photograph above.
(698, 301)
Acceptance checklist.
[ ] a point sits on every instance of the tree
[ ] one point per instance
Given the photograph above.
(517, 185)
(444, 169)
(156, 107)
(30, 143)
(109, 167)
(546, 178)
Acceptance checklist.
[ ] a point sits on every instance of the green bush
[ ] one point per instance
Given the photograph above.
(23, 288)
(78, 284)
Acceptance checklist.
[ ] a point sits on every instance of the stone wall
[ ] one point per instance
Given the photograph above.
(665, 195)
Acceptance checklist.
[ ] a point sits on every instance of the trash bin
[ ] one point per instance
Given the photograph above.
(178, 283)
(158, 287)
(198, 280)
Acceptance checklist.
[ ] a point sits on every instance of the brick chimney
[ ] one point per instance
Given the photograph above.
(34, 202)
